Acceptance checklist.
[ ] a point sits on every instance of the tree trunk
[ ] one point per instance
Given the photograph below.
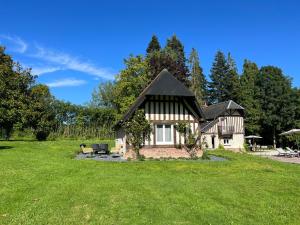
(274, 139)
(137, 152)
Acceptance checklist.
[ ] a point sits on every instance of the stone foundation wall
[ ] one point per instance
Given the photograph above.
(157, 153)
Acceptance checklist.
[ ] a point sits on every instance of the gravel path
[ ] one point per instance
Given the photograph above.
(118, 158)
(285, 159)
(216, 158)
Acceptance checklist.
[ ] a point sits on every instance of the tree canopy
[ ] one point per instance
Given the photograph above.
(275, 97)
(15, 83)
(198, 80)
(153, 45)
(171, 57)
(248, 97)
(271, 104)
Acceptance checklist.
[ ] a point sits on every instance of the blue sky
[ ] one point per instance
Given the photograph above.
(74, 45)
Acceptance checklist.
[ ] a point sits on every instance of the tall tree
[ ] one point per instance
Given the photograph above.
(14, 91)
(296, 103)
(172, 57)
(231, 80)
(130, 82)
(175, 44)
(103, 96)
(40, 114)
(275, 96)
(198, 81)
(153, 45)
(65, 112)
(217, 87)
(248, 97)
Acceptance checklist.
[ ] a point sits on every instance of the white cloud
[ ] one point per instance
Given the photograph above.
(16, 43)
(57, 60)
(67, 82)
(67, 61)
(42, 70)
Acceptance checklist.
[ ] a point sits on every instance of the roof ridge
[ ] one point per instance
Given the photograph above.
(229, 103)
(215, 104)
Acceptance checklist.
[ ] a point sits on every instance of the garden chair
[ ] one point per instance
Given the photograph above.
(103, 149)
(96, 148)
(281, 152)
(285, 153)
(292, 152)
(85, 150)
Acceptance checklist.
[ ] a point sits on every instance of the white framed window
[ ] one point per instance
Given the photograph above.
(164, 134)
(226, 141)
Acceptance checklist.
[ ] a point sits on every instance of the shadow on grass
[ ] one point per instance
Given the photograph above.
(5, 147)
(12, 140)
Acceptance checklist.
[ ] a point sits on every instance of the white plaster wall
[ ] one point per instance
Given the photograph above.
(121, 139)
(207, 138)
(237, 142)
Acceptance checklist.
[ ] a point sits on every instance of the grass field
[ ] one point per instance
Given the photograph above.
(41, 183)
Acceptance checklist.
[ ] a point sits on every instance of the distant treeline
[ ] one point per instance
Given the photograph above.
(28, 108)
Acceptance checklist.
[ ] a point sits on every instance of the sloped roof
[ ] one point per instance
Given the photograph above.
(215, 110)
(164, 84)
(207, 125)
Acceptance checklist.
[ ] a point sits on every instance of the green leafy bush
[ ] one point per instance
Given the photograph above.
(221, 147)
(42, 135)
(138, 130)
(246, 147)
(205, 155)
(141, 158)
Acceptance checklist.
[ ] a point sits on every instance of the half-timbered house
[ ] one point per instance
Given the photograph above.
(224, 126)
(167, 101)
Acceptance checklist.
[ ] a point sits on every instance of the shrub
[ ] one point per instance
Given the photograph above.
(205, 155)
(190, 140)
(221, 147)
(246, 147)
(52, 137)
(138, 130)
(41, 135)
(141, 158)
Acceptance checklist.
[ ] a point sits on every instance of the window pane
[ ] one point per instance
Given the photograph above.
(159, 133)
(168, 134)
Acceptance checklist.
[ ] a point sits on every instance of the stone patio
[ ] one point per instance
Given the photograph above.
(111, 157)
(157, 153)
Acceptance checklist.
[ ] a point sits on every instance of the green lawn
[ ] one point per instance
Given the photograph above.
(41, 183)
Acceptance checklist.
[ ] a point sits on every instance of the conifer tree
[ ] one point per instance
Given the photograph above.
(231, 80)
(198, 81)
(175, 44)
(248, 97)
(153, 45)
(172, 57)
(217, 75)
